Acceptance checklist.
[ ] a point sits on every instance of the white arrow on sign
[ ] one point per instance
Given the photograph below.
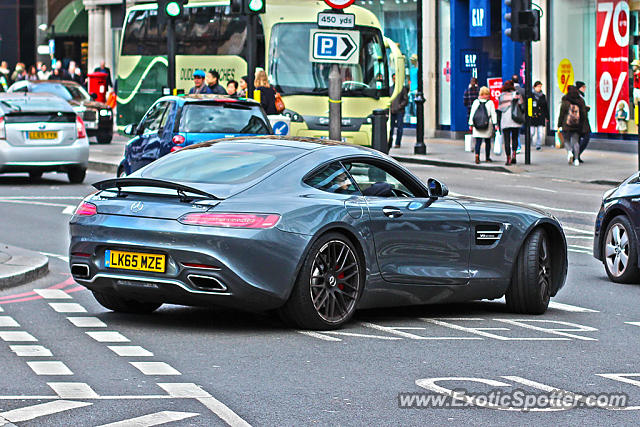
(334, 46)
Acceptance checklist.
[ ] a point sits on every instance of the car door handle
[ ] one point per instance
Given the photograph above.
(392, 212)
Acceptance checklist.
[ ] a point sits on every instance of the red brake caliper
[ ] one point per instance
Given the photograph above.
(340, 276)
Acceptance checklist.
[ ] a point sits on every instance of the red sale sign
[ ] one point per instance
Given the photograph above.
(495, 87)
(612, 61)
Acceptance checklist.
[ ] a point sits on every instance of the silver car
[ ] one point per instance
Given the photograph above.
(41, 133)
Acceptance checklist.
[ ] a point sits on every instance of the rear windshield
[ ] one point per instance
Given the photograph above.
(229, 118)
(40, 117)
(222, 163)
(35, 104)
(66, 92)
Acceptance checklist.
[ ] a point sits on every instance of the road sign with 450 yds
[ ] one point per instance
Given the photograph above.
(340, 47)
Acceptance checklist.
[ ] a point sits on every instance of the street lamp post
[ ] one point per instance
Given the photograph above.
(420, 147)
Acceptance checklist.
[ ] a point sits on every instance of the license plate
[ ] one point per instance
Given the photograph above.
(134, 261)
(42, 135)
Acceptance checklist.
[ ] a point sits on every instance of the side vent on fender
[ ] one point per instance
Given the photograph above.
(487, 235)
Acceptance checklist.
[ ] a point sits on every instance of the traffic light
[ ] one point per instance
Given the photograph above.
(170, 9)
(248, 7)
(513, 17)
(530, 22)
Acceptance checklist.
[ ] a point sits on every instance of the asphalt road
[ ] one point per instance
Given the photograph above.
(203, 367)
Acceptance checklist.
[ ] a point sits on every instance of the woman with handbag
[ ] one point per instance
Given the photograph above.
(482, 120)
(267, 93)
(510, 105)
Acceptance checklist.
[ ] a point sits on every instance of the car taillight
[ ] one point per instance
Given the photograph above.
(86, 209)
(82, 132)
(231, 220)
(178, 139)
(2, 132)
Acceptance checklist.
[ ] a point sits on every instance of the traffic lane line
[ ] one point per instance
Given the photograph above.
(50, 368)
(40, 410)
(154, 419)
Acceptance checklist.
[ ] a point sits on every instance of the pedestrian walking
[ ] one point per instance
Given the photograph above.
(43, 72)
(232, 88)
(398, 106)
(470, 95)
(482, 122)
(20, 73)
(585, 136)
(267, 93)
(4, 71)
(621, 118)
(199, 86)
(32, 75)
(540, 115)
(212, 79)
(509, 101)
(573, 114)
(242, 85)
(104, 69)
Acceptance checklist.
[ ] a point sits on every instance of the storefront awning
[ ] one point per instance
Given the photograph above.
(72, 20)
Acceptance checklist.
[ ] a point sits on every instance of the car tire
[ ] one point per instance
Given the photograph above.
(620, 251)
(104, 139)
(76, 175)
(123, 305)
(35, 175)
(325, 297)
(530, 289)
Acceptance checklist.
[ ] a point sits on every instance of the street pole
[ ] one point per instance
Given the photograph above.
(420, 148)
(335, 103)
(528, 75)
(251, 55)
(171, 55)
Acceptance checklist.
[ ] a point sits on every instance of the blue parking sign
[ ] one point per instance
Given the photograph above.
(327, 46)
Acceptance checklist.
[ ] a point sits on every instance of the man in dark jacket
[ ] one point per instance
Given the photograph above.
(398, 106)
(471, 94)
(571, 122)
(213, 81)
(540, 115)
(585, 135)
(199, 86)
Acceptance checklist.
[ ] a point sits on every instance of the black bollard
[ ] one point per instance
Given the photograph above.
(379, 137)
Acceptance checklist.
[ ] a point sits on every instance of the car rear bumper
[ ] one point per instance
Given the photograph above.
(247, 269)
(27, 158)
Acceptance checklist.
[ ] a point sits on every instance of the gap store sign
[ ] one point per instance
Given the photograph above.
(479, 18)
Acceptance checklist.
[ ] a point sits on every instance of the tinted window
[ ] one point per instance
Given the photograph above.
(63, 91)
(333, 179)
(28, 103)
(223, 118)
(221, 163)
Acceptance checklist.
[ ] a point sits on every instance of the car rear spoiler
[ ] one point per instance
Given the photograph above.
(120, 183)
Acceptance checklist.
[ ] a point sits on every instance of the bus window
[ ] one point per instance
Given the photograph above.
(292, 73)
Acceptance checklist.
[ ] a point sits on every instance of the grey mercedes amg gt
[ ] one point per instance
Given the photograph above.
(314, 229)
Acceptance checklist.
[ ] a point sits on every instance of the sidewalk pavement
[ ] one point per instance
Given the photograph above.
(599, 167)
(18, 266)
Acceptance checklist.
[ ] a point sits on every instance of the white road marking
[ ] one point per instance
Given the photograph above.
(483, 333)
(111, 336)
(130, 351)
(87, 322)
(585, 248)
(579, 237)
(319, 336)
(73, 390)
(633, 323)
(353, 334)
(52, 294)
(50, 368)
(577, 230)
(580, 251)
(152, 419)
(69, 210)
(155, 368)
(573, 327)
(399, 332)
(61, 257)
(571, 308)
(217, 407)
(16, 336)
(1, 309)
(532, 188)
(8, 321)
(35, 411)
(30, 350)
(67, 307)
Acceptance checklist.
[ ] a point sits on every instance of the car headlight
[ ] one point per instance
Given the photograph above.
(295, 117)
(608, 194)
(105, 113)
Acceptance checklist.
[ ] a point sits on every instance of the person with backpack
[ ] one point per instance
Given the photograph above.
(482, 121)
(511, 108)
(571, 122)
(540, 115)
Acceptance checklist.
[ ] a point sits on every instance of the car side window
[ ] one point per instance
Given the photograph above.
(332, 179)
(375, 181)
(153, 119)
(167, 113)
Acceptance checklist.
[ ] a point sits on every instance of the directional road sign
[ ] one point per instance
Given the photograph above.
(280, 128)
(338, 47)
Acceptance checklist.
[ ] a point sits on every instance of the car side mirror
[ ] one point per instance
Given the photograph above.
(436, 188)
(129, 129)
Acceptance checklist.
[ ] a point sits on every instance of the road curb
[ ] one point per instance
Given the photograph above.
(20, 266)
(103, 167)
(450, 164)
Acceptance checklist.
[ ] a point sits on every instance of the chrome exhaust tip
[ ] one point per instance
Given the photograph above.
(207, 283)
(80, 271)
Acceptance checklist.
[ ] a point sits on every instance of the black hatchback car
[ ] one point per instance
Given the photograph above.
(617, 229)
(97, 116)
(175, 122)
